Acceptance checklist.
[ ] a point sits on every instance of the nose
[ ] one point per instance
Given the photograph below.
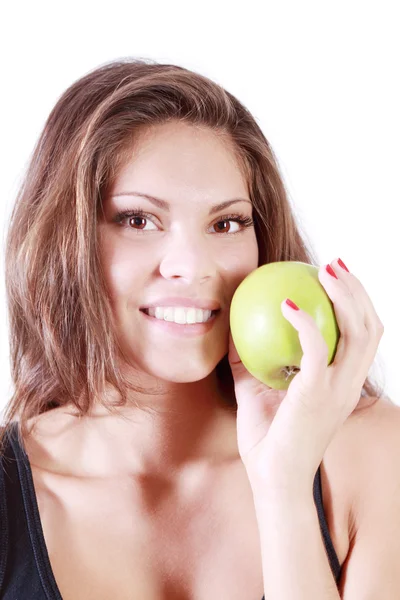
(188, 256)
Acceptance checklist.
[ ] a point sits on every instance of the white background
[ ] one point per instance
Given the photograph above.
(321, 79)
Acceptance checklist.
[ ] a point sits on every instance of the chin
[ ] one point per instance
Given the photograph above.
(177, 366)
(184, 374)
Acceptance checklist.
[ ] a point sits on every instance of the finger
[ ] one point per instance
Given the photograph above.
(350, 319)
(372, 322)
(243, 380)
(371, 319)
(314, 361)
(233, 355)
(358, 341)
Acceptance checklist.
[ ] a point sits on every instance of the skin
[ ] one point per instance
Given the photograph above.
(180, 253)
(172, 457)
(189, 437)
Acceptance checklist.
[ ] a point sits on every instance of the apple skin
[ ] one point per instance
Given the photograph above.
(267, 344)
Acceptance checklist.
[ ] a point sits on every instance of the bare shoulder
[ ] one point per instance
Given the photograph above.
(45, 442)
(361, 479)
(373, 438)
(376, 432)
(365, 453)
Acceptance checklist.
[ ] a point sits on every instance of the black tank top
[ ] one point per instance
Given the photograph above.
(25, 570)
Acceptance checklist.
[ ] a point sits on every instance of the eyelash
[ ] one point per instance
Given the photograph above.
(120, 217)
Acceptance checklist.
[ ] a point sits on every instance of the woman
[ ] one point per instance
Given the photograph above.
(140, 458)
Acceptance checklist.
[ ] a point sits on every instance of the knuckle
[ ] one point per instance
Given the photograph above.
(360, 336)
(323, 351)
(348, 294)
(377, 328)
(381, 327)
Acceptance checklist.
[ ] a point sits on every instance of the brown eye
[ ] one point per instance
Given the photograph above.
(242, 222)
(137, 221)
(222, 229)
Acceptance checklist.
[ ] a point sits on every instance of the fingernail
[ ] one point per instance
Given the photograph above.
(341, 264)
(331, 271)
(292, 304)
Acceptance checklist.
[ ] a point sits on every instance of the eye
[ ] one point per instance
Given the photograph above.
(134, 218)
(222, 224)
(242, 220)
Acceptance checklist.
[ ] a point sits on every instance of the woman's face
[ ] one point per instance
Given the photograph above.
(184, 249)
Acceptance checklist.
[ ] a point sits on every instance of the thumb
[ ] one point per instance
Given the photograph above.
(244, 381)
(233, 356)
(241, 376)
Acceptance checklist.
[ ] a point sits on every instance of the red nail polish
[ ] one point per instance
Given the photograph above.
(341, 264)
(331, 271)
(292, 304)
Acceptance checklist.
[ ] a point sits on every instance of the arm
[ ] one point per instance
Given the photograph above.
(294, 561)
(293, 553)
(283, 435)
(372, 566)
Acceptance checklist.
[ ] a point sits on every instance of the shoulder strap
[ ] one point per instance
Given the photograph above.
(3, 515)
(28, 564)
(332, 556)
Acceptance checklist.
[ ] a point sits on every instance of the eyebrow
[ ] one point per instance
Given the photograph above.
(165, 205)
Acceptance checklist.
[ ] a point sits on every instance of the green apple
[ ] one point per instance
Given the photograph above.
(267, 344)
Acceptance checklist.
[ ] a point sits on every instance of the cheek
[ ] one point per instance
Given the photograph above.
(240, 260)
(123, 275)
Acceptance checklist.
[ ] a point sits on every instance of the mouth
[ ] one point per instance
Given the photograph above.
(146, 312)
(181, 329)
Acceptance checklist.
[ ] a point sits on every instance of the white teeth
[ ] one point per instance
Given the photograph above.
(179, 314)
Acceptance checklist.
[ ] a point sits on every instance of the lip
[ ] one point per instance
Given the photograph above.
(205, 303)
(189, 330)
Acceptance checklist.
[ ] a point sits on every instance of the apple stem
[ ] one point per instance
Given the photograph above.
(289, 371)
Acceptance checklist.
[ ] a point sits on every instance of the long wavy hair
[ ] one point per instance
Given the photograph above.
(63, 341)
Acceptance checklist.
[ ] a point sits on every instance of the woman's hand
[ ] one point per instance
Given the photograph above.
(283, 435)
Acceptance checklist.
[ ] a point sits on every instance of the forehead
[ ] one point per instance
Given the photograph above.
(177, 161)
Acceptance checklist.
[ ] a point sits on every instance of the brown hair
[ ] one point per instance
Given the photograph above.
(63, 345)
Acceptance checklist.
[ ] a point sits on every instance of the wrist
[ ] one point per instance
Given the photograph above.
(284, 489)
(280, 478)
(276, 504)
